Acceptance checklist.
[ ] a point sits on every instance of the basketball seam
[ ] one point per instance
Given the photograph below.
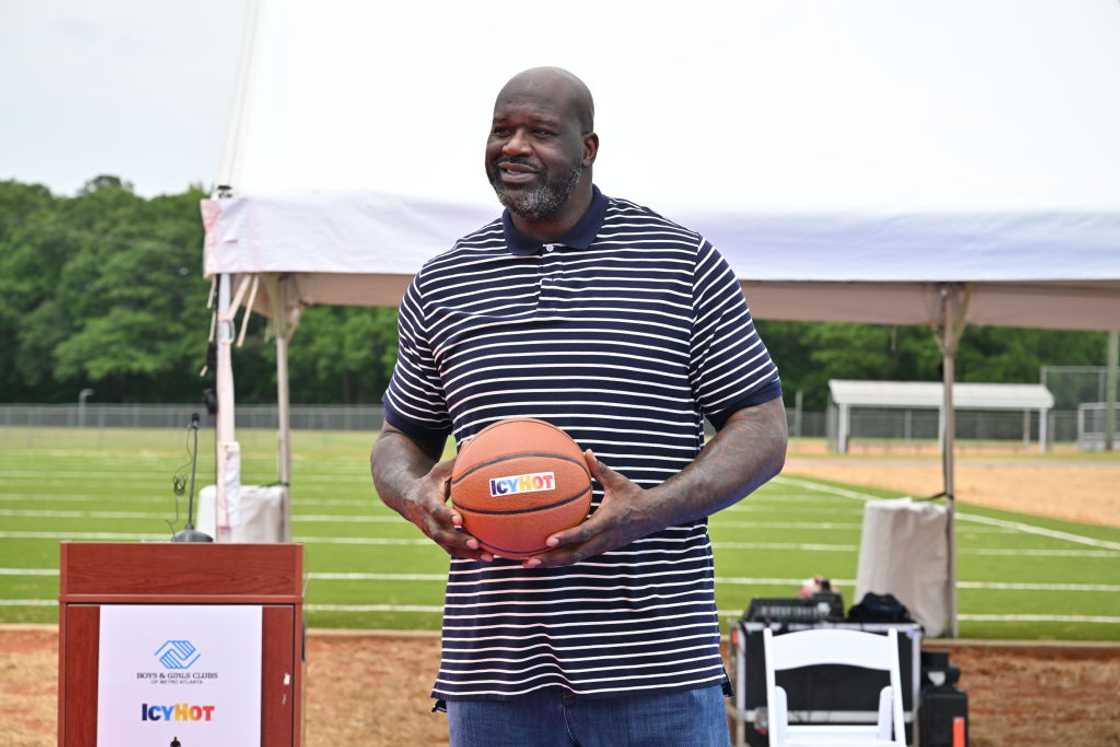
(509, 421)
(561, 502)
(519, 455)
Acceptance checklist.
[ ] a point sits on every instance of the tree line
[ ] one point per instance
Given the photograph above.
(104, 290)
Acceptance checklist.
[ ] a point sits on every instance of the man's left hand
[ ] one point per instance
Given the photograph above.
(625, 514)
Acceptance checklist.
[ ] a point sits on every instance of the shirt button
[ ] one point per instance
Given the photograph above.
(549, 247)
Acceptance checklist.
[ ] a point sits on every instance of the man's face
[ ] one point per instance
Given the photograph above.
(534, 154)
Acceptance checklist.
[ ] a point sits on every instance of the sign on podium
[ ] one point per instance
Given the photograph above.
(180, 644)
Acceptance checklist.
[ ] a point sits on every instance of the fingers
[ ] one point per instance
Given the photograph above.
(567, 555)
(440, 521)
(593, 463)
(452, 538)
(594, 536)
(578, 534)
(605, 476)
(445, 514)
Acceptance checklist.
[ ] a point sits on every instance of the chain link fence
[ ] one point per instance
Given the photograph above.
(303, 417)
(1074, 385)
(868, 423)
(977, 425)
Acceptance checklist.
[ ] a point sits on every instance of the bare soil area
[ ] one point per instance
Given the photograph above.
(1073, 490)
(372, 689)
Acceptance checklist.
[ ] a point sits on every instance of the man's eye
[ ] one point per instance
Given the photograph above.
(500, 132)
(543, 133)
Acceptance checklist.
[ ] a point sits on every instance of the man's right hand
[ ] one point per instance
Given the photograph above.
(426, 506)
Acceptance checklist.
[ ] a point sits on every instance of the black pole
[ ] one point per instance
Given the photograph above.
(189, 533)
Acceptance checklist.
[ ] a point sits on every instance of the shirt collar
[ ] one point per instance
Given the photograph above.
(578, 236)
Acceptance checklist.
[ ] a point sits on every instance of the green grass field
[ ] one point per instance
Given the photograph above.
(1021, 576)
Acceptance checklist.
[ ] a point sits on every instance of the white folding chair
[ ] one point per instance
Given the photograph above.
(831, 646)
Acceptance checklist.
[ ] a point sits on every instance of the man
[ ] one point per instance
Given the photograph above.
(625, 330)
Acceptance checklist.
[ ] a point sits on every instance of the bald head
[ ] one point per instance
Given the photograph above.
(554, 84)
(541, 148)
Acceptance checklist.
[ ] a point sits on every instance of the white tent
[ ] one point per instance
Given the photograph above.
(875, 161)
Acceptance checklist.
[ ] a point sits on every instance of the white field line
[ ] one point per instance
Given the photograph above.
(754, 504)
(128, 536)
(35, 513)
(138, 537)
(329, 576)
(424, 608)
(169, 500)
(1106, 619)
(785, 524)
(1016, 525)
(850, 526)
(726, 580)
(1040, 531)
(753, 507)
(822, 488)
(419, 541)
(28, 603)
(728, 614)
(124, 474)
(986, 585)
(1008, 552)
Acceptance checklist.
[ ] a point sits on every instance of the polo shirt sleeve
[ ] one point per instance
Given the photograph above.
(414, 402)
(730, 367)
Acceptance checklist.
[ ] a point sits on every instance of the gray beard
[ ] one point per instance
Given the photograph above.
(542, 202)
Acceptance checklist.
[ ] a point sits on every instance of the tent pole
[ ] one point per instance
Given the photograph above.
(948, 443)
(953, 316)
(283, 400)
(224, 425)
(1111, 367)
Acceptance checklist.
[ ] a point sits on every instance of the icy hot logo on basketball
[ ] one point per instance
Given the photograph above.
(532, 483)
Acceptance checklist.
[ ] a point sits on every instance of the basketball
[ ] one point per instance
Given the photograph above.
(517, 482)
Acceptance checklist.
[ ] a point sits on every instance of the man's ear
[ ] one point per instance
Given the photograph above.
(590, 148)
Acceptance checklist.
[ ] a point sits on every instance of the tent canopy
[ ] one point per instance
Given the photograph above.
(870, 160)
(845, 157)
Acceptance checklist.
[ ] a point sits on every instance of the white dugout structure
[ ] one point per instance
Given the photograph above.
(868, 161)
(846, 398)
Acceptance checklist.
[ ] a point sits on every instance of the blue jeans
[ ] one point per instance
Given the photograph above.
(553, 718)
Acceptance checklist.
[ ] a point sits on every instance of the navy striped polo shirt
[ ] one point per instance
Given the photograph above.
(626, 333)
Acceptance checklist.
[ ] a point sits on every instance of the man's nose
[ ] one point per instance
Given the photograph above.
(518, 144)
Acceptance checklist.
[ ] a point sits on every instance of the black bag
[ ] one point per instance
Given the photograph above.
(879, 608)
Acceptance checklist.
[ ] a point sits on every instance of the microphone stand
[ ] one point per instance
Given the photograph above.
(189, 533)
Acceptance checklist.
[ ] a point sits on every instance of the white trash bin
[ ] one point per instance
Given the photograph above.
(904, 551)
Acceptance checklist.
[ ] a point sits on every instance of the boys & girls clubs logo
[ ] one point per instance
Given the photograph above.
(177, 654)
(178, 658)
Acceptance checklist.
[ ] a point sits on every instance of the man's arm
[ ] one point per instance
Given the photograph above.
(749, 450)
(411, 481)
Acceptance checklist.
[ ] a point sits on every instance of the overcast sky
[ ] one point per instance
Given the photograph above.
(999, 103)
(134, 88)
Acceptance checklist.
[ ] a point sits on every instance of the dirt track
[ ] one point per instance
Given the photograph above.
(373, 690)
(1071, 489)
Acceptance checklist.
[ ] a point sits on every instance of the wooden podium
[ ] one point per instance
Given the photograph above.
(93, 574)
